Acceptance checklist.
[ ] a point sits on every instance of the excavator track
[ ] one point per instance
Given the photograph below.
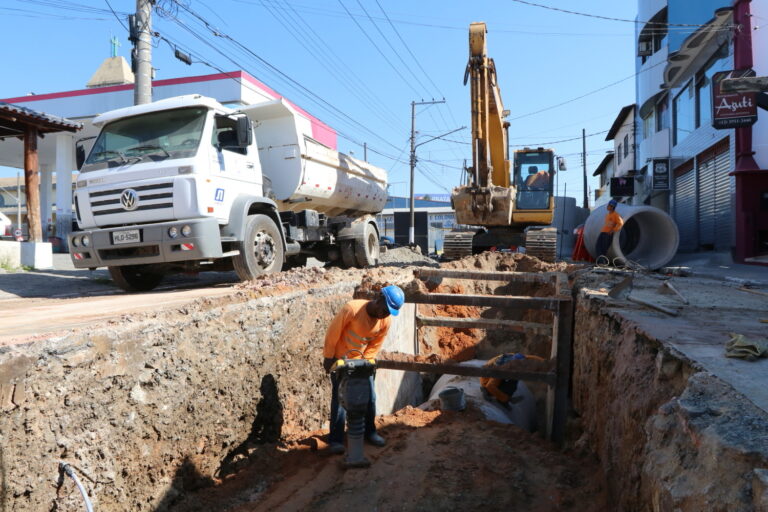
(542, 243)
(457, 244)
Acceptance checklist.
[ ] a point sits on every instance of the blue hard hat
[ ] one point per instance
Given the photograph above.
(394, 297)
(613, 203)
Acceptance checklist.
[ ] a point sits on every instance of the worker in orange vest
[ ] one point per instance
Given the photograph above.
(357, 332)
(613, 224)
(502, 389)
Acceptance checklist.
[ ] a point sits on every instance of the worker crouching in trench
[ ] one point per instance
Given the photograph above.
(357, 332)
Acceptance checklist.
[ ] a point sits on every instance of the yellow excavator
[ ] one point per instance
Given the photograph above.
(505, 210)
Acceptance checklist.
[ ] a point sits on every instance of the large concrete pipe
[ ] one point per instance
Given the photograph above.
(522, 413)
(649, 236)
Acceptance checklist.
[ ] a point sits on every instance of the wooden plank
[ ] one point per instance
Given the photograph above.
(563, 371)
(651, 305)
(467, 371)
(745, 84)
(500, 301)
(486, 276)
(484, 323)
(32, 184)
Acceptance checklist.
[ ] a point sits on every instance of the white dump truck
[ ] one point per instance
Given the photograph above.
(186, 184)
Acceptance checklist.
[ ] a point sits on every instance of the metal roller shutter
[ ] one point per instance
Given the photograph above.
(685, 210)
(706, 175)
(723, 205)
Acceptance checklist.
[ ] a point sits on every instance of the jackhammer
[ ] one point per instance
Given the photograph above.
(354, 395)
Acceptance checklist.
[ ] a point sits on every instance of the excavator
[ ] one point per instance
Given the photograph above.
(505, 210)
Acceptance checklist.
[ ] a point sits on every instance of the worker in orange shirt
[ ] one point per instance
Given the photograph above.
(612, 225)
(358, 331)
(502, 389)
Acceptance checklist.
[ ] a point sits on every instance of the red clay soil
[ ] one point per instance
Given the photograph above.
(433, 461)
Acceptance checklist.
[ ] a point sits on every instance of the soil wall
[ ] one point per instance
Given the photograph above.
(153, 406)
(669, 436)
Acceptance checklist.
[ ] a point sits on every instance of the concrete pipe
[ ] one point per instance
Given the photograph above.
(649, 236)
(522, 413)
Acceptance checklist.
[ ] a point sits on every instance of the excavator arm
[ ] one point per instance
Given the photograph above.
(488, 200)
(489, 137)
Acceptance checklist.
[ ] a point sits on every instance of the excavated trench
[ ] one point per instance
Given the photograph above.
(222, 405)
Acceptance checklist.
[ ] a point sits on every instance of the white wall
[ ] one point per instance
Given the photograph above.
(759, 10)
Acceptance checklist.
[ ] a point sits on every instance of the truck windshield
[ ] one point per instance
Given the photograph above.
(154, 136)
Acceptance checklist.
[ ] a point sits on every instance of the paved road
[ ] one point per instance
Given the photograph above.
(35, 303)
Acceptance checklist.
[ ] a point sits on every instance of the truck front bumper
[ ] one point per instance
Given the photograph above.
(146, 244)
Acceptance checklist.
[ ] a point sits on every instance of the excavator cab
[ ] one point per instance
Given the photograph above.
(533, 175)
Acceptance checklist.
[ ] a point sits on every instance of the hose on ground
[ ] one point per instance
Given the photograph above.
(70, 472)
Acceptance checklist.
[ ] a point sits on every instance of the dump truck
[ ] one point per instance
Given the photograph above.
(504, 208)
(186, 184)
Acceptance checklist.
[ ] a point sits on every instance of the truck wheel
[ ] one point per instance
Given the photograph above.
(135, 278)
(262, 250)
(367, 248)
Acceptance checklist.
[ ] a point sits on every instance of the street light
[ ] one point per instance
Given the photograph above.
(411, 235)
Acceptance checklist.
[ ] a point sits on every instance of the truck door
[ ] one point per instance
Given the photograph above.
(235, 169)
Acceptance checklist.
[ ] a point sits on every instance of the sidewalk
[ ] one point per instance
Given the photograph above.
(720, 265)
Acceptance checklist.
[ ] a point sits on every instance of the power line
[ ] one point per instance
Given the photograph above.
(577, 13)
(586, 94)
(286, 77)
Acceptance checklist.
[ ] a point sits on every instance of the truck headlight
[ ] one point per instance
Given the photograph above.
(186, 230)
(76, 241)
(173, 232)
(86, 240)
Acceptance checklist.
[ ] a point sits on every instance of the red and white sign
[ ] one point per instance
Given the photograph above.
(732, 109)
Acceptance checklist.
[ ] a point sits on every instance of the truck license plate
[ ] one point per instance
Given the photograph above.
(126, 237)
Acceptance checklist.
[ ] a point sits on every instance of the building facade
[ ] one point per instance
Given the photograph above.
(685, 164)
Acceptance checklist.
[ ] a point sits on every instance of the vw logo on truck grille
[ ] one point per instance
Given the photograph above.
(129, 199)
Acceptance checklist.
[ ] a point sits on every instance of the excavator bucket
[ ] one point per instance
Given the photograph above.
(483, 206)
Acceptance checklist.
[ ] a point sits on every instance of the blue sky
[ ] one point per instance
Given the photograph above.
(368, 59)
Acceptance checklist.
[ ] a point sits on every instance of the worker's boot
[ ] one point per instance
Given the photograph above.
(375, 439)
(336, 448)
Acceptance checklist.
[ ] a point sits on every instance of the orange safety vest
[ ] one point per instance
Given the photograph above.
(353, 330)
(613, 223)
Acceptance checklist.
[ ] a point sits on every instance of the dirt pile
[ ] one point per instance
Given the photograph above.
(405, 256)
(508, 262)
(433, 460)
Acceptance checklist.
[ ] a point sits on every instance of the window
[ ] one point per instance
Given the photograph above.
(683, 113)
(662, 115)
(648, 125)
(618, 155)
(224, 135)
(626, 145)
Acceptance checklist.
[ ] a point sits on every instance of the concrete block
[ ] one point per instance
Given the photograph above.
(10, 254)
(38, 255)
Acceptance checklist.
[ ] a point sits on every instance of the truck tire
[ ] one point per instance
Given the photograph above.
(367, 248)
(347, 249)
(261, 252)
(135, 278)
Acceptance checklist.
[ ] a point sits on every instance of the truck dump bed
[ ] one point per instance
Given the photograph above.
(306, 174)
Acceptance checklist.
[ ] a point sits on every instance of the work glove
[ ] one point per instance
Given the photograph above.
(740, 347)
(328, 363)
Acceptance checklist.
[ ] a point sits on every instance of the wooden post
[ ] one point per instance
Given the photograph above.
(564, 355)
(32, 184)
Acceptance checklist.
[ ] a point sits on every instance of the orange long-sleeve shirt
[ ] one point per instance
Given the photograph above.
(613, 223)
(492, 384)
(353, 329)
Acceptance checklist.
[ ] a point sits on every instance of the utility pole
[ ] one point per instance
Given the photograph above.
(141, 36)
(365, 151)
(584, 165)
(411, 235)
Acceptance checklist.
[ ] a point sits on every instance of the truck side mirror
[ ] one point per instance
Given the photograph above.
(244, 132)
(80, 151)
(79, 155)
(561, 166)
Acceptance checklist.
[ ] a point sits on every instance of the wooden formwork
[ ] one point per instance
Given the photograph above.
(560, 331)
